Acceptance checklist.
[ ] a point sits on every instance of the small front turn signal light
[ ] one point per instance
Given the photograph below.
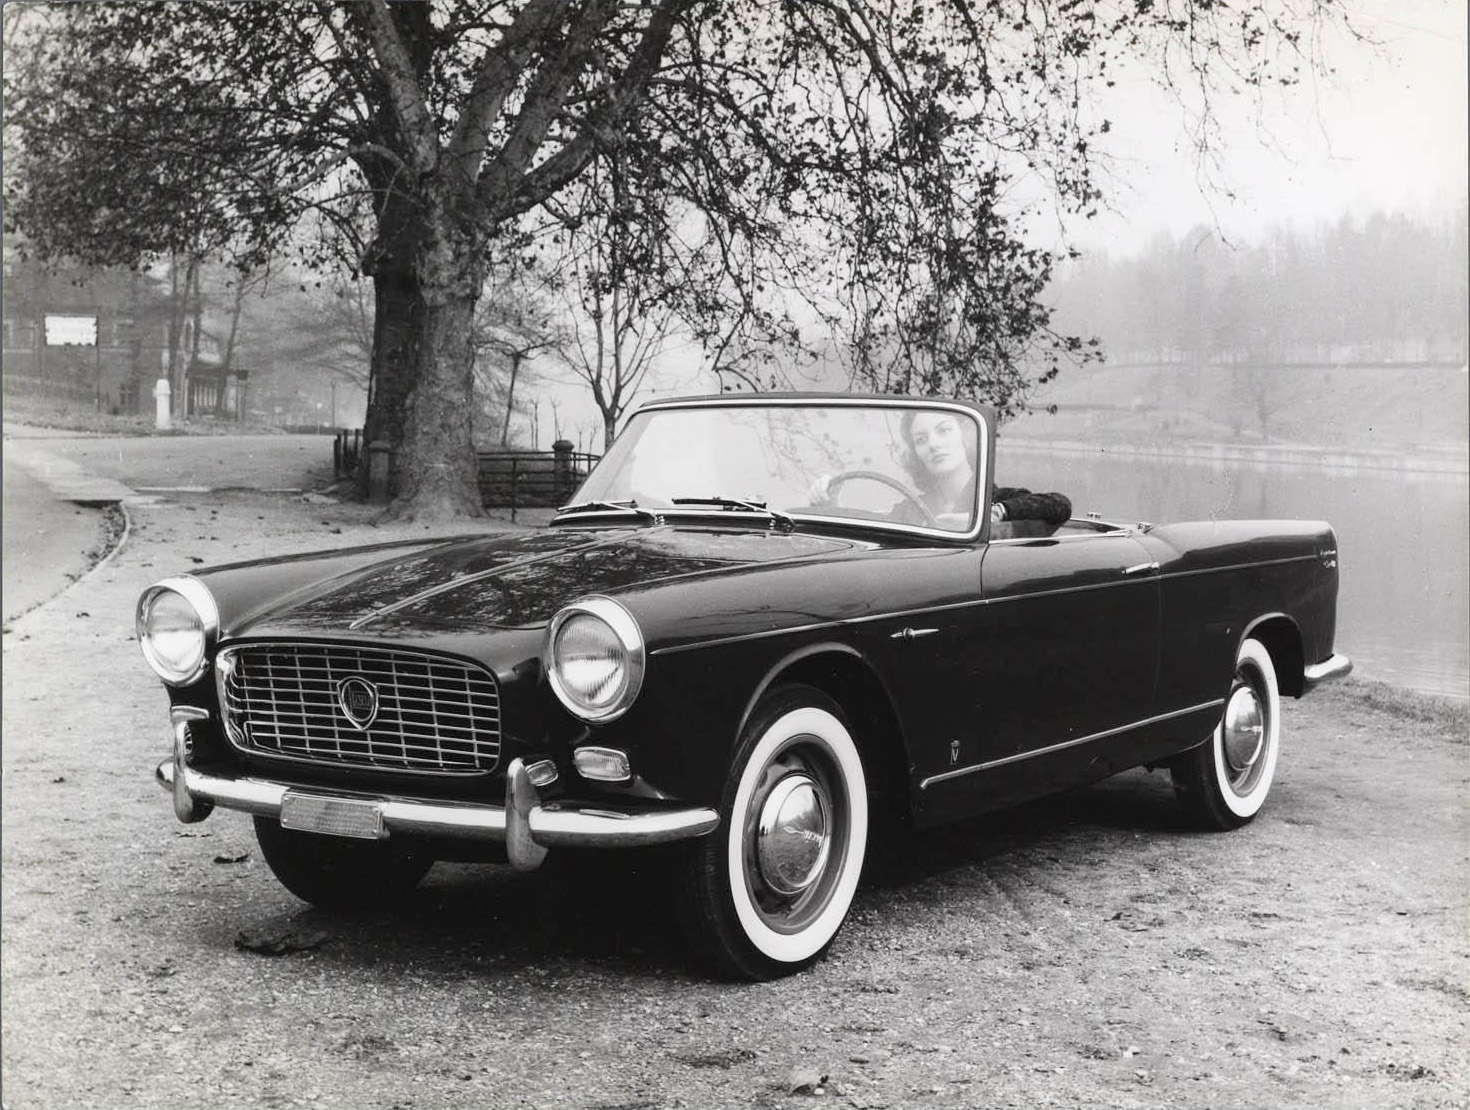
(602, 764)
(542, 772)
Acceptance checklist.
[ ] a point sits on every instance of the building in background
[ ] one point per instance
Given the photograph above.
(105, 346)
(108, 344)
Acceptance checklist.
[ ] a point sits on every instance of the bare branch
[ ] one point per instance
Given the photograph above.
(415, 119)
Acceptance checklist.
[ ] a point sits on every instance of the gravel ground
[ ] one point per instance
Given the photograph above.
(1082, 951)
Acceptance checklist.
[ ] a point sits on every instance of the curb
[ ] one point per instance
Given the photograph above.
(91, 572)
(114, 550)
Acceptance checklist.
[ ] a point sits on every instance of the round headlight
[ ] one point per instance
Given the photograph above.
(594, 657)
(177, 620)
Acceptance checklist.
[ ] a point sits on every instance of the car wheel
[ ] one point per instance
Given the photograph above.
(340, 873)
(767, 892)
(1224, 783)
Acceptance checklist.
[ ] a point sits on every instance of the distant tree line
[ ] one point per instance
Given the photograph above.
(1388, 289)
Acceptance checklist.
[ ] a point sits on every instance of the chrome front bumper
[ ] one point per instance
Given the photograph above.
(1334, 666)
(526, 825)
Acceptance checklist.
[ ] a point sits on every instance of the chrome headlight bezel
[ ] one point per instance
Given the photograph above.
(631, 664)
(196, 595)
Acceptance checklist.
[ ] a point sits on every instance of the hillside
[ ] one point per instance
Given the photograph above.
(1420, 411)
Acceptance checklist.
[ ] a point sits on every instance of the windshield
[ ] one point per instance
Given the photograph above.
(908, 464)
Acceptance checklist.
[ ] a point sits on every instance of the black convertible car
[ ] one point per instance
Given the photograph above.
(766, 625)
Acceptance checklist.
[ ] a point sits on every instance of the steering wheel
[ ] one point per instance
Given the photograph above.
(882, 479)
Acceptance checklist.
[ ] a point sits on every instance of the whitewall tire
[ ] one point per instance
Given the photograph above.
(1223, 783)
(769, 890)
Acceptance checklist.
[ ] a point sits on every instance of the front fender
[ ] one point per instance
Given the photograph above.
(682, 733)
(785, 665)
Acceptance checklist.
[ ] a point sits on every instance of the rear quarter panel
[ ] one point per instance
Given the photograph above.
(1221, 578)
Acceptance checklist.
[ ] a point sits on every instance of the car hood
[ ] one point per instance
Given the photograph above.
(518, 581)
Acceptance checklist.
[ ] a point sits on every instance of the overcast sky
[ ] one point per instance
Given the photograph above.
(1387, 131)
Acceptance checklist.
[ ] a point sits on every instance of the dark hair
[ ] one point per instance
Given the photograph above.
(922, 479)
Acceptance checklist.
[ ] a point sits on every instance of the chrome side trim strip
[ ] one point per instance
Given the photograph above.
(898, 614)
(1125, 579)
(1242, 566)
(1123, 533)
(1065, 744)
(1335, 665)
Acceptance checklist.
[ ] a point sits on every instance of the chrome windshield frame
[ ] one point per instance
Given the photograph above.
(982, 419)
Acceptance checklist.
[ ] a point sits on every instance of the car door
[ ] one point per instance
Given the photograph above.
(1069, 642)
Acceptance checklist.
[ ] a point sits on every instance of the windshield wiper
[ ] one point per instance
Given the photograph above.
(628, 506)
(735, 503)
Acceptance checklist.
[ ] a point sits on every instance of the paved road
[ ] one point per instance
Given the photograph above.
(163, 464)
(55, 482)
(45, 541)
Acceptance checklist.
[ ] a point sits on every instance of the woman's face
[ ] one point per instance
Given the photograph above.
(938, 442)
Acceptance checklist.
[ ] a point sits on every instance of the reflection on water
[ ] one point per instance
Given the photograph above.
(1402, 611)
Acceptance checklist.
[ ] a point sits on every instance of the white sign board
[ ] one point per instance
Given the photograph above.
(71, 331)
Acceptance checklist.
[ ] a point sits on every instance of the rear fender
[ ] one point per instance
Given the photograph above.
(1281, 637)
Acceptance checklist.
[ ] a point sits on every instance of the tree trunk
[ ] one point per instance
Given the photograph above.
(398, 312)
(142, 382)
(227, 363)
(437, 470)
(196, 316)
(398, 316)
(175, 328)
(510, 397)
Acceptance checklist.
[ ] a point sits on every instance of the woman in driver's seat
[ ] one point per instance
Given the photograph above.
(943, 468)
(940, 461)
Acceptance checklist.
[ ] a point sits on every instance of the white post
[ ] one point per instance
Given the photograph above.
(160, 405)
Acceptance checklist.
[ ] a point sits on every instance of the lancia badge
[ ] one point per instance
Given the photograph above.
(359, 701)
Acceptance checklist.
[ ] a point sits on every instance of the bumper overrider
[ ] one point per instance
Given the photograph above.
(1334, 666)
(526, 825)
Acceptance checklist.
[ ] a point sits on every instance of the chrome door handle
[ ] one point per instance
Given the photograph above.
(912, 633)
(1141, 568)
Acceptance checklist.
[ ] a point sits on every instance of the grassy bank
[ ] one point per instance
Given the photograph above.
(1366, 409)
(1449, 717)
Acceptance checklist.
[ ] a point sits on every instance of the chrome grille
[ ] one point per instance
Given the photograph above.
(434, 715)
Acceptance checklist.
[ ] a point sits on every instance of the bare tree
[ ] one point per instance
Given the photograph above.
(516, 322)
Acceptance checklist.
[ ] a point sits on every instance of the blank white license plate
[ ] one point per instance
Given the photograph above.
(333, 816)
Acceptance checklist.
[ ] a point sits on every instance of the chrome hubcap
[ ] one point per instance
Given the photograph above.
(1244, 731)
(793, 835)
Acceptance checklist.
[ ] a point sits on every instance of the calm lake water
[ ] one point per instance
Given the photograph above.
(1404, 540)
